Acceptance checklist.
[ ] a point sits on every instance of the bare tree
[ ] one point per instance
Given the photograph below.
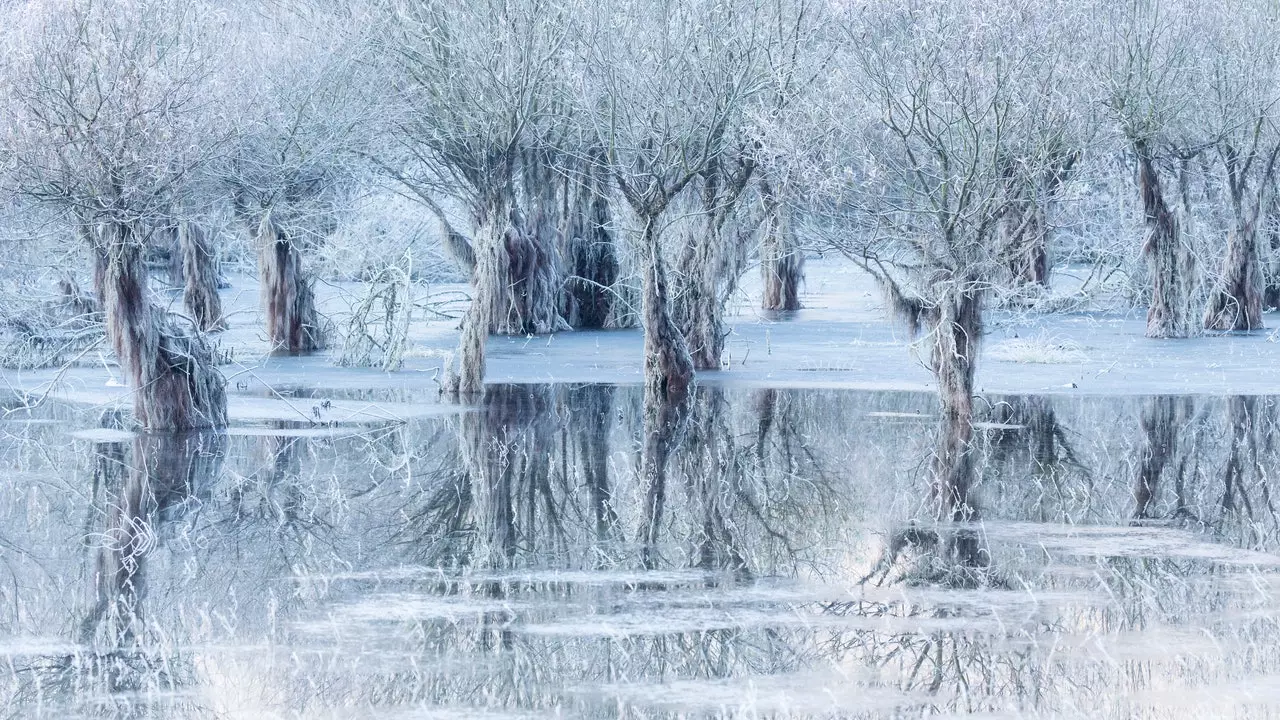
(1244, 84)
(952, 96)
(1152, 79)
(302, 80)
(476, 81)
(109, 111)
(662, 88)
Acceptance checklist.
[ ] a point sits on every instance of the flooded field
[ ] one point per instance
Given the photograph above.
(1119, 559)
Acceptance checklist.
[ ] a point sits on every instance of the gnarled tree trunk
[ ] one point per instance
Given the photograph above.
(498, 229)
(1169, 259)
(175, 384)
(697, 308)
(708, 269)
(668, 369)
(288, 296)
(1236, 301)
(668, 372)
(956, 323)
(1025, 232)
(532, 289)
(1025, 226)
(200, 275)
(781, 262)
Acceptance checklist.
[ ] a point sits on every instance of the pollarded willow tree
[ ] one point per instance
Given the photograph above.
(784, 139)
(766, 68)
(1155, 82)
(953, 97)
(476, 83)
(109, 109)
(304, 117)
(1243, 78)
(665, 89)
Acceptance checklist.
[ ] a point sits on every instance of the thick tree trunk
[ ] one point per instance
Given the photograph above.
(175, 384)
(515, 288)
(1236, 303)
(530, 282)
(697, 307)
(956, 324)
(591, 254)
(200, 272)
(288, 297)
(668, 375)
(781, 262)
(1169, 259)
(668, 369)
(466, 377)
(1026, 233)
(707, 271)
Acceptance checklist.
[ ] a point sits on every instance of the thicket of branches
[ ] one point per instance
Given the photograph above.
(593, 165)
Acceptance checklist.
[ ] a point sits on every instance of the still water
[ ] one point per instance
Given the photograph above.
(1118, 557)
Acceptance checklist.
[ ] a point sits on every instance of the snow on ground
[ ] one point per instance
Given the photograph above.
(840, 339)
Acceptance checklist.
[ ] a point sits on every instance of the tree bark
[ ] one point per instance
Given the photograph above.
(1236, 301)
(288, 297)
(668, 374)
(175, 384)
(200, 272)
(668, 369)
(781, 262)
(697, 308)
(708, 268)
(956, 324)
(534, 281)
(1169, 260)
(1026, 232)
(466, 377)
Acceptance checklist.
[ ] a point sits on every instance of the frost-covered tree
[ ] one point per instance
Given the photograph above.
(1154, 82)
(111, 111)
(664, 89)
(303, 117)
(474, 83)
(1243, 79)
(941, 137)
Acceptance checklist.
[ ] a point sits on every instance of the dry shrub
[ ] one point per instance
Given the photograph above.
(377, 332)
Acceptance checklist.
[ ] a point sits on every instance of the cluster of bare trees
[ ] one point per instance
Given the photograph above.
(562, 146)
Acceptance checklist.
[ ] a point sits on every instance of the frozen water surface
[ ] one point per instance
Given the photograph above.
(354, 548)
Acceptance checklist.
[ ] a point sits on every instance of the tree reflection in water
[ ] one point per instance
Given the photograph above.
(791, 553)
